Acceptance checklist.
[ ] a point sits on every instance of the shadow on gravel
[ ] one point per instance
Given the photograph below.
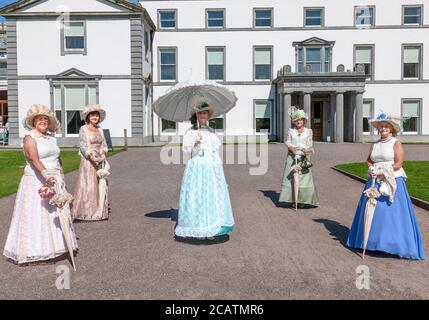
(172, 214)
(341, 233)
(194, 241)
(274, 196)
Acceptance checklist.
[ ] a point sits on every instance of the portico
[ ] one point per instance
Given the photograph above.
(332, 100)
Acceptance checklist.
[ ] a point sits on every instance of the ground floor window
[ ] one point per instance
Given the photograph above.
(69, 102)
(263, 112)
(411, 115)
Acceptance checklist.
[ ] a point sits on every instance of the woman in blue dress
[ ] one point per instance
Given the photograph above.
(394, 227)
(205, 209)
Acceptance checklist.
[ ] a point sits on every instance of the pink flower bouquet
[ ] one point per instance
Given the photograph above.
(46, 192)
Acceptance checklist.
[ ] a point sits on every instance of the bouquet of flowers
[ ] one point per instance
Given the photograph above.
(302, 156)
(46, 192)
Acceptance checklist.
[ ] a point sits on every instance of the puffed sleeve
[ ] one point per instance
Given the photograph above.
(104, 144)
(188, 145)
(289, 138)
(83, 142)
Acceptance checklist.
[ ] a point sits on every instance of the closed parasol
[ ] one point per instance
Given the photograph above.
(372, 194)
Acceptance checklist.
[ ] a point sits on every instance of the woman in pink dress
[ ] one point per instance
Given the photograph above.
(35, 234)
(93, 149)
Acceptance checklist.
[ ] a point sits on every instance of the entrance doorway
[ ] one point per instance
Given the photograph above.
(317, 120)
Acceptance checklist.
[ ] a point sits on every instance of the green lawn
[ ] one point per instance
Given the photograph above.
(417, 172)
(12, 165)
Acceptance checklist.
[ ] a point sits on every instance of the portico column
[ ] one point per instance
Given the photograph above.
(339, 128)
(287, 102)
(332, 117)
(359, 118)
(307, 107)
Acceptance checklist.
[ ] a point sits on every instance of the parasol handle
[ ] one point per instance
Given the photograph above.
(373, 182)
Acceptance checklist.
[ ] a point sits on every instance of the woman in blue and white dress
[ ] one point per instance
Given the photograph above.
(394, 227)
(205, 209)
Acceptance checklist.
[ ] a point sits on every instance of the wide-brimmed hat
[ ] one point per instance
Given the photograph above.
(297, 114)
(91, 109)
(384, 117)
(41, 110)
(200, 104)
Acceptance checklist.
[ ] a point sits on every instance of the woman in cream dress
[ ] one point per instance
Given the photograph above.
(35, 234)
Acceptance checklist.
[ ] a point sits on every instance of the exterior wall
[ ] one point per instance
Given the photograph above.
(104, 56)
(239, 36)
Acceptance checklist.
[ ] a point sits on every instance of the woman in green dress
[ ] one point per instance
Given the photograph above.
(300, 146)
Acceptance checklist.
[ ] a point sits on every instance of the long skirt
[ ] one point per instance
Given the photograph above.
(86, 205)
(35, 233)
(205, 207)
(307, 193)
(394, 227)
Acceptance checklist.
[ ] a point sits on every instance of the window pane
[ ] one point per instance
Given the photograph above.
(366, 109)
(215, 23)
(215, 72)
(262, 56)
(364, 16)
(263, 124)
(58, 115)
(75, 43)
(75, 98)
(215, 56)
(410, 109)
(363, 55)
(262, 72)
(263, 14)
(217, 123)
(315, 67)
(410, 125)
(215, 14)
(168, 72)
(73, 122)
(74, 29)
(411, 70)
(168, 126)
(300, 55)
(168, 56)
(411, 55)
(366, 125)
(167, 15)
(313, 22)
(411, 11)
(313, 13)
(263, 110)
(300, 67)
(313, 54)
